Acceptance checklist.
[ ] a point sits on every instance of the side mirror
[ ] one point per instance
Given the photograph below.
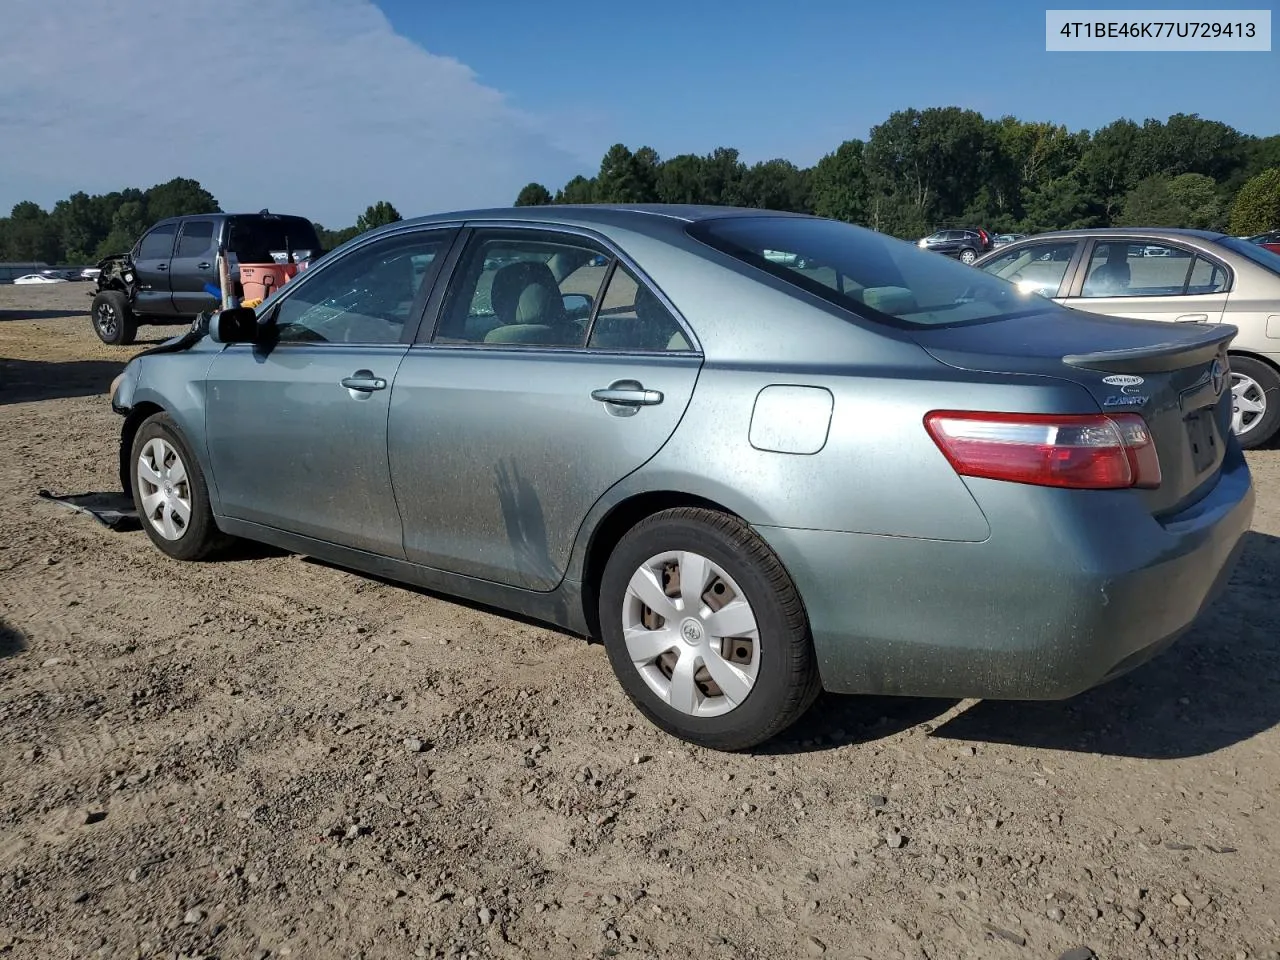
(577, 304)
(239, 325)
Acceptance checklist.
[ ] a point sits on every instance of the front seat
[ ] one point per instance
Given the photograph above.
(529, 306)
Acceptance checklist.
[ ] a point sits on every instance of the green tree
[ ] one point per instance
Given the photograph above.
(1257, 205)
(533, 195)
(1199, 198)
(1152, 204)
(179, 197)
(1059, 204)
(838, 184)
(776, 185)
(577, 190)
(681, 179)
(623, 177)
(31, 234)
(377, 215)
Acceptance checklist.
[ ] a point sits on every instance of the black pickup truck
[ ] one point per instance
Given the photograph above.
(166, 276)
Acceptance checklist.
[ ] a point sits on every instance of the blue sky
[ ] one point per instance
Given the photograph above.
(795, 79)
(441, 104)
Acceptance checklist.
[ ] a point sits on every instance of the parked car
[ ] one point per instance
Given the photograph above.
(726, 466)
(1167, 274)
(166, 277)
(37, 278)
(1002, 239)
(966, 244)
(1269, 240)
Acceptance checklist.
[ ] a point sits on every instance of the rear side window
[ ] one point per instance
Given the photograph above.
(869, 273)
(197, 238)
(264, 238)
(158, 244)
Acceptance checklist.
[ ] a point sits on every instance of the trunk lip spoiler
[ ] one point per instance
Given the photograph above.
(1200, 346)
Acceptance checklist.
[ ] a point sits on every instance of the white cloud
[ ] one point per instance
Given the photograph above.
(314, 107)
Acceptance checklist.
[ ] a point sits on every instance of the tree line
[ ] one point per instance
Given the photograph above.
(921, 170)
(83, 229)
(916, 172)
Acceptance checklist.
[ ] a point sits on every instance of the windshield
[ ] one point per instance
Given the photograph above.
(869, 273)
(1251, 251)
(266, 238)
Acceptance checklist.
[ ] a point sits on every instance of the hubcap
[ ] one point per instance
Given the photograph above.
(166, 492)
(691, 633)
(1248, 403)
(967, 257)
(107, 319)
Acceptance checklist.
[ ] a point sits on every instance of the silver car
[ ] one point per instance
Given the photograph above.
(882, 472)
(1165, 274)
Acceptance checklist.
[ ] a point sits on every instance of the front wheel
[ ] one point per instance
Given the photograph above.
(1255, 401)
(706, 631)
(113, 319)
(170, 493)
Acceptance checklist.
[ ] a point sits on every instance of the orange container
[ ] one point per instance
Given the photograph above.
(260, 280)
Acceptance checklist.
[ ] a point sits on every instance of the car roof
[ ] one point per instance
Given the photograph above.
(1153, 233)
(647, 218)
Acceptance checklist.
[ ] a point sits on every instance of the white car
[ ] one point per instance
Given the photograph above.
(37, 278)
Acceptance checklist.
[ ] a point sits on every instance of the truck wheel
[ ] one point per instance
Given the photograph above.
(113, 319)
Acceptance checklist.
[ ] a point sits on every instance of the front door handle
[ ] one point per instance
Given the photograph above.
(628, 393)
(205, 265)
(1193, 318)
(364, 381)
(162, 266)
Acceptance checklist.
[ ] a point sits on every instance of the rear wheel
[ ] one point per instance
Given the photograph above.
(1255, 401)
(705, 630)
(113, 319)
(170, 493)
(967, 256)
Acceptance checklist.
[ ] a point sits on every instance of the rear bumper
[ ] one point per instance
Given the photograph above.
(1070, 591)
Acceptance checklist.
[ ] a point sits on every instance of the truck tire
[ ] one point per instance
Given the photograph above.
(113, 319)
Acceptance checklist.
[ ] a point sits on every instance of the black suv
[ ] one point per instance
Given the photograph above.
(965, 243)
(167, 276)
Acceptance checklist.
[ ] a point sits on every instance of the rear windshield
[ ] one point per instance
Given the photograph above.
(1251, 251)
(264, 238)
(869, 273)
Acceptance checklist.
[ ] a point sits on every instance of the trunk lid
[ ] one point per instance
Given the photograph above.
(1176, 376)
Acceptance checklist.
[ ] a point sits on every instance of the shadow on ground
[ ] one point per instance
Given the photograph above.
(11, 640)
(41, 314)
(22, 381)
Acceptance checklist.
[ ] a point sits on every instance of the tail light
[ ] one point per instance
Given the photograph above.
(1086, 452)
(986, 238)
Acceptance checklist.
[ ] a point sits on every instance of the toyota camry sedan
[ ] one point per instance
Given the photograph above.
(756, 454)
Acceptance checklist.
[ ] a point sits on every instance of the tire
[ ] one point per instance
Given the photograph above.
(1259, 384)
(195, 537)
(113, 318)
(773, 670)
(967, 256)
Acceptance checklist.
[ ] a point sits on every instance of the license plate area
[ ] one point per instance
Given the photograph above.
(1202, 440)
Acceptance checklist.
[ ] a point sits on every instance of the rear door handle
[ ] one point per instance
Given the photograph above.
(205, 265)
(628, 393)
(364, 381)
(1193, 318)
(162, 266)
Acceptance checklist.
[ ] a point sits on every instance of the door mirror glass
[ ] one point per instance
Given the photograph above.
(577, 305)
(238, 325)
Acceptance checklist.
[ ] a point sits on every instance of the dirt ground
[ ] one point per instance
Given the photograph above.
(270, 757)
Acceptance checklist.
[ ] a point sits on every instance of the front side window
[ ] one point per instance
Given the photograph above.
(632, 318)
(366, 297)
(869, 273)
(1124, 268)
(1035, 267)
(158, 244)
(522, 290)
